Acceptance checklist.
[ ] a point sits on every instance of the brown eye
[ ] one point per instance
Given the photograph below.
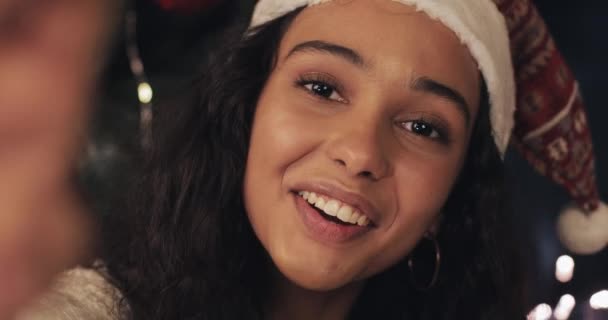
(323, 90)
(421, 128)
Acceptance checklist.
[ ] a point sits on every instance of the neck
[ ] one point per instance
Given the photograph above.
(290, 301)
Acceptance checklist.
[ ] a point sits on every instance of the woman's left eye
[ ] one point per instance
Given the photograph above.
(323, 90)
(422, 128)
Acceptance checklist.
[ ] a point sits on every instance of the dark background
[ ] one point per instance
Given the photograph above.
(173, 46)
(579, 29)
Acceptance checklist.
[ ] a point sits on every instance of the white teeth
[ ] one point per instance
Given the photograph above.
(345, 213)
(363, 221)
(354, 217)
(331, 208)
(312, 198)
(320, 203)
(335, 208)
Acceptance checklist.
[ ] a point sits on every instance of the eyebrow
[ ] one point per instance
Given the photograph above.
(431, 86)
(423, 84)
(325, 47)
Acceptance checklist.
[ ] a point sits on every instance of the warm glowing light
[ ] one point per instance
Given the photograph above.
(564, 307)
(564, 268)
(144, 91)
(541, 312)
(599, 300)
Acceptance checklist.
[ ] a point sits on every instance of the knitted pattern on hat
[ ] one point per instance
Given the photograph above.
(551, 129)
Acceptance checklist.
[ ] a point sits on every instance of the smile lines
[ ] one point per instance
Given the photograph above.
(335, 208)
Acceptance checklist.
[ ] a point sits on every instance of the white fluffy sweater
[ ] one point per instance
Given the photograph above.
(78, 294)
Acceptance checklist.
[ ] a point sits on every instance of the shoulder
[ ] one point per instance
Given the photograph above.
(77, 294)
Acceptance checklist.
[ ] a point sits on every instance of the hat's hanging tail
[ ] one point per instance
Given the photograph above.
(551, 129)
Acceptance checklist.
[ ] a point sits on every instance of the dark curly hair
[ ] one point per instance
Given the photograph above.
(183, 247)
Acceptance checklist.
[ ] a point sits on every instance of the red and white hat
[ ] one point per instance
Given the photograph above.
(534, 99)
(551, 129)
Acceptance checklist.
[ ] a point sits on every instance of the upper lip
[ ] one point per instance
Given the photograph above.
(337, 192)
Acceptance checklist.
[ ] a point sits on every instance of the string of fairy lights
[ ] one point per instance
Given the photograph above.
(564, 272)
(145, 93)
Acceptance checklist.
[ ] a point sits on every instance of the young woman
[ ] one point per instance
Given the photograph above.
(323, 153)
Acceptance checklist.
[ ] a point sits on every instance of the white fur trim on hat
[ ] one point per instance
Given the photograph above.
(478, 24)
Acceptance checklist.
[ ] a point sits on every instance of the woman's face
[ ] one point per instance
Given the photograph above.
(370, 107)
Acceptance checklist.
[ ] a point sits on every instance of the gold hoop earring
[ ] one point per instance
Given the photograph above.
(437, 256)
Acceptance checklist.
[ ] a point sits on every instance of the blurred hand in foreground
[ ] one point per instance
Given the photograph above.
(50, 54)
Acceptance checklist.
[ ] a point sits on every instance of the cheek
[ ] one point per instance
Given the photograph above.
(421, 189)
(279, 139)
(282, 131)
(425, 184)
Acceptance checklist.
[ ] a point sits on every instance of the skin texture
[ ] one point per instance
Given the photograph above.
(50, 53)
(361, 140)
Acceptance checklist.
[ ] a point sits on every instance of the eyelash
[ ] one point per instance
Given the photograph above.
(324, 80)
(437, 128)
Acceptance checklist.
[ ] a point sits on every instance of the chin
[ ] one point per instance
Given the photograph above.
(315, 276)
(316, 282)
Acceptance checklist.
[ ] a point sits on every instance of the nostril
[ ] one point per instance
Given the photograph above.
(340, 162)
(366, 174)
(363, 173)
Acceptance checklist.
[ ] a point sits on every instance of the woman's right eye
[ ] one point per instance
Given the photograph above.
(322, 90)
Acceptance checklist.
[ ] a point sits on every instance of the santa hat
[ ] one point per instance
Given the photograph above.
(514, 49)
(551, 129)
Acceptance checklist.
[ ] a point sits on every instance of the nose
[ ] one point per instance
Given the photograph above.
(359, 150)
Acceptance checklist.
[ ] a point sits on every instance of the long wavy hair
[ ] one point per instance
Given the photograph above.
(183, 248)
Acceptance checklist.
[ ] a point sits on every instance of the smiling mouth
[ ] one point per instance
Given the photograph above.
(330, 218)
(334, 210)
(333, 228)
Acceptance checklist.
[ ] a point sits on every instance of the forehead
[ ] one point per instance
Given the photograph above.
(390, 36)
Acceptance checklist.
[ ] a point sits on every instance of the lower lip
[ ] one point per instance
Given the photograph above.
(324, 230)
